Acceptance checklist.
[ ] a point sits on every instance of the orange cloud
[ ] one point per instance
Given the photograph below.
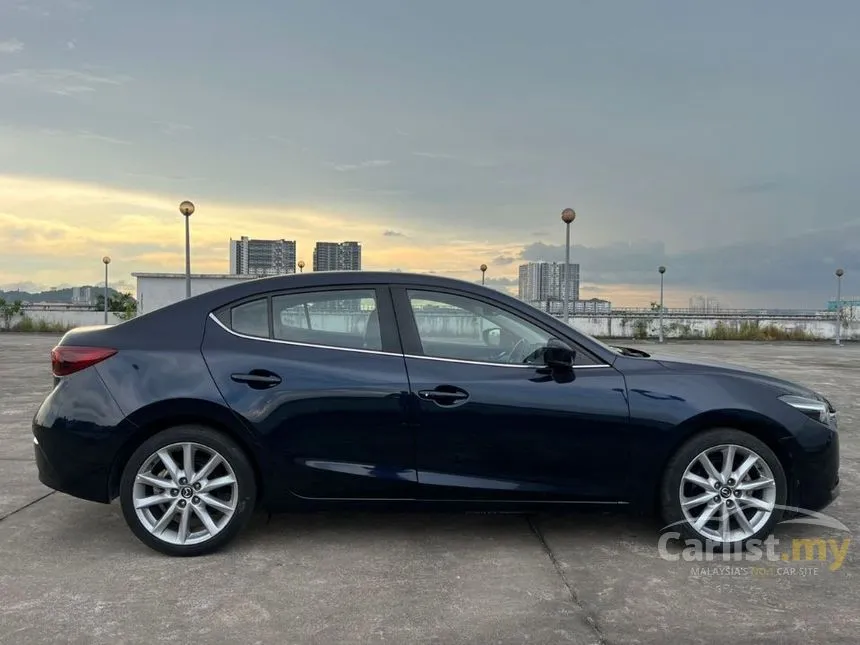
(56, 231)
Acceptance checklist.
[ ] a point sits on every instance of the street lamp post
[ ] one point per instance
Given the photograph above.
(483, 272)
(567, 216)
(106, 260)
(301, 266)
(839, 274)
(662, 270)
(187, 209)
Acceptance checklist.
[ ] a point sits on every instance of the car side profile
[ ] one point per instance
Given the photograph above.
(372, 389)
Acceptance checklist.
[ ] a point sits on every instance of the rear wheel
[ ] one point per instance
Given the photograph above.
(724, 487)
(187, 491)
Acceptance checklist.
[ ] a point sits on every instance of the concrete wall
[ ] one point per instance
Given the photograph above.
(620, 326)
(615, 326)
(68, 318)
(157, 291)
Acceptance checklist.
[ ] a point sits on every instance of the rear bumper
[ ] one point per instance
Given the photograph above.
(76, 437)
(72, 477)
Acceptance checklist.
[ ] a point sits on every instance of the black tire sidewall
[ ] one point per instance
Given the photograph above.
(228, 449)
(670, 506)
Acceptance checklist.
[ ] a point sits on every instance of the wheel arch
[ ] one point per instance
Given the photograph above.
(150, 420)
(757, 425)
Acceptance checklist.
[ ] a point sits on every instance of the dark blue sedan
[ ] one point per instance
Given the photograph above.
(325, 390)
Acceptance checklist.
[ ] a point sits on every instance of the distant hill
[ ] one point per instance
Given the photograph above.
(53, 295)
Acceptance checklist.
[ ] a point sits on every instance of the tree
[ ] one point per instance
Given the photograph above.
(8, 310)
(122, 304)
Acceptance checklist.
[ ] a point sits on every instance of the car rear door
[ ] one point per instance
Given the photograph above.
(319, 375)
(493, 428)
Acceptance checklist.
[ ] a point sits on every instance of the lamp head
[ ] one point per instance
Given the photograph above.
(186, 208)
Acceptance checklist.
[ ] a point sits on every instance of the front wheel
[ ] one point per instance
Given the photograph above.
(187, 491)
(724, 487)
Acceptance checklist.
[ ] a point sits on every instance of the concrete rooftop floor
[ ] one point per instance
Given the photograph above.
(71, 572)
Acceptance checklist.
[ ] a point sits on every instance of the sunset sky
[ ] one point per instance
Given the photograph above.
(718, 139)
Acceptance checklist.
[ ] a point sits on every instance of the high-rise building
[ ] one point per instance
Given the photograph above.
(349, 256)
(337, 256)
(82, 295)
(543, 281)
(262, 257)
(325, 256)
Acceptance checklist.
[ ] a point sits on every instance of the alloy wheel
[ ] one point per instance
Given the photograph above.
(185, 493)
(728, 493)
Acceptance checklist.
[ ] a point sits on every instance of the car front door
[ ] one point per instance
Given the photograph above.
(319, 375)
(492, 423)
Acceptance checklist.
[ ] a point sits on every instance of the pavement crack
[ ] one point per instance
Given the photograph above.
(27, 505)
(590, 618)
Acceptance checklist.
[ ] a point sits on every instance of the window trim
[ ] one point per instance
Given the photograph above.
(388, 329)
(411, 339)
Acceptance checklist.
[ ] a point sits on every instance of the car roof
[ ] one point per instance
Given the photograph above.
(335, 279)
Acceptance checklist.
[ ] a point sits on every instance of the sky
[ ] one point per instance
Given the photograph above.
(717, 139)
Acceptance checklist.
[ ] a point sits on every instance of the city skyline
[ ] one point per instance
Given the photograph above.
(681, 139)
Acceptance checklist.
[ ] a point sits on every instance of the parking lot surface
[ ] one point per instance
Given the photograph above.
(71, 572)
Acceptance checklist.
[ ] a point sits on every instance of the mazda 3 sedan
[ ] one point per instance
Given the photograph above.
(338, 389)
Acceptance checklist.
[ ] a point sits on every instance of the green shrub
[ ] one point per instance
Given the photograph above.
(28, 325)
(752, 330)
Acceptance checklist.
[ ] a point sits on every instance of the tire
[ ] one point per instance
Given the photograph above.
(735, 498)
(228, 505)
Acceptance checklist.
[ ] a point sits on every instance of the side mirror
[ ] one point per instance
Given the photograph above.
(492, 337)
(558, 356)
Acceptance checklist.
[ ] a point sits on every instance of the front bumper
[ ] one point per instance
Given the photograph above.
(816, 474)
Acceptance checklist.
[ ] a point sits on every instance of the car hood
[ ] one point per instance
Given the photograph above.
(715, 367)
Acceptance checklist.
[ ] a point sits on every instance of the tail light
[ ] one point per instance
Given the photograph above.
(67, 359)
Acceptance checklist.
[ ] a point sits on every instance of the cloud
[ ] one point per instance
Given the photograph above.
(502, 282)
(57, 230)
(93, 136)
(802, 264)
(51, 8)
(755, 187)
(12, 46)
(503, 260)
(65, 82)
(171, 127)
(373, 163)
(433, 155)
(84, 135)
(390, 233)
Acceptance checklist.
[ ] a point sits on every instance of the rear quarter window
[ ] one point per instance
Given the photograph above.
(249, 318)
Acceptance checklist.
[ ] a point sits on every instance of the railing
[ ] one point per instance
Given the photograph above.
(647, 312)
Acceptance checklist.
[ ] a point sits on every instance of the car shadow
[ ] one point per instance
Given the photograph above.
(366, 526)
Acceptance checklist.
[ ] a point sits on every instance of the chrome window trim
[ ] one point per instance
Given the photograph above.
(294, 343)
(377, 352)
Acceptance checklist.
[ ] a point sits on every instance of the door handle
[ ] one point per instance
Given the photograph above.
(258, 379)
(446, 395)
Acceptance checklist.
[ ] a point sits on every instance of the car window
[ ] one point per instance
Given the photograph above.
(251, 318)
(458, 327)
(345, 318)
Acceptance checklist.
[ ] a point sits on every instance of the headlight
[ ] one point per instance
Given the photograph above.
(820, 411)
